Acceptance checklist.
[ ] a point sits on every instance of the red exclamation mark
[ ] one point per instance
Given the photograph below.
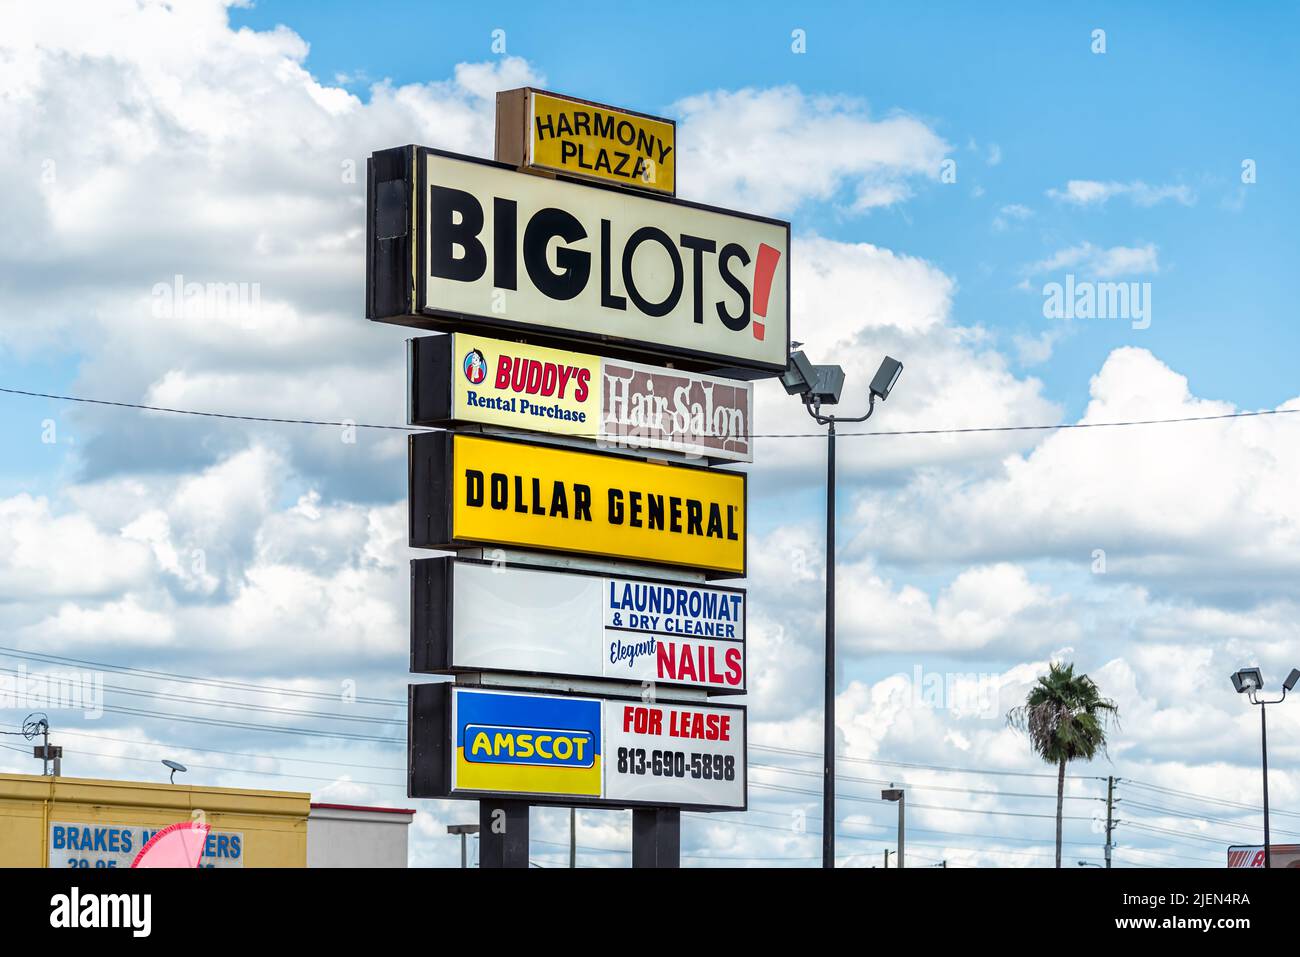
(763, 271)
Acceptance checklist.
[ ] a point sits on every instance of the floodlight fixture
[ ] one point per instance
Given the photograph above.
(883, 382)
(1248, 681)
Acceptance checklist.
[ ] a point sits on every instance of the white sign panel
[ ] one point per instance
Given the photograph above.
(509, 618)
(674, 753)
(572, 261)
(116, 845)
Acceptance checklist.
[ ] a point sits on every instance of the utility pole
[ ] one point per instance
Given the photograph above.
(1110, 815)
(573, 837)
(820, 385)
(886, 858)
(1263, 729)
(828, 743)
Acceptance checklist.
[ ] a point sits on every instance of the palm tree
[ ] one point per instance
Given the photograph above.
(1065, 717)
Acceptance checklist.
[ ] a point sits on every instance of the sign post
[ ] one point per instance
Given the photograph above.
(597, 342)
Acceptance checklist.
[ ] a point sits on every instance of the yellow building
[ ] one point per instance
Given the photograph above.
(75, 822)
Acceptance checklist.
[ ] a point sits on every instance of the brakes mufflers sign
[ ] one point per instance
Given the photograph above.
(469, 378)
(474, 616)
(462, 241)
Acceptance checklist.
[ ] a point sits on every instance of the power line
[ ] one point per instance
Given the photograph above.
(1208, 798)
(242, 705)
(191, 679)
(757, 435)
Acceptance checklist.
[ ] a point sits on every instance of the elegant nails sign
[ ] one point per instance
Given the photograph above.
(466, 243)
(469, 378)
(475, 616)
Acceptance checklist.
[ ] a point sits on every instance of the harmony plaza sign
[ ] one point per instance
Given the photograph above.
(468, 378)
(474, 616)
(560, 749)
(461, 242)
(562, 134)
(466, 490)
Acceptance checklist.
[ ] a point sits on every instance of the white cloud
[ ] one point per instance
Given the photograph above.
(1088, 192)
(1101, 262)
(1211, 499)
(771, 150)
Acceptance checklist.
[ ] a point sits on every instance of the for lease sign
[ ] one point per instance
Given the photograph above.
(468, 490)
(473, 616)
(495, 248)
(469, 742)
(465, 377)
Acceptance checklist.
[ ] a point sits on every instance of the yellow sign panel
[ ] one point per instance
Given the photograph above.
(519, 386)
(512, 493)
(602, 143)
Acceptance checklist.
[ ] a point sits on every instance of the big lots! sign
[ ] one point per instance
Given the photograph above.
(461, 241)
(473, 616)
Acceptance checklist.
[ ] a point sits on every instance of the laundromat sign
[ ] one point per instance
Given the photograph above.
(464, 242)
(473, 616)
(563, 134)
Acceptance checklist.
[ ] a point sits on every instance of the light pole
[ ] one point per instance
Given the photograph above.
(1249, 681)
(896, 794)
(820, 385)
(464, 830)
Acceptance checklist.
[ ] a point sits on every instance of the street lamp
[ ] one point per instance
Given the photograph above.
(1091, 864)
(896, 794)
(821, 385)
(1250, 681)
(464, 830)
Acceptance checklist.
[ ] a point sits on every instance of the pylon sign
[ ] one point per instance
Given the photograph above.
(598, 340)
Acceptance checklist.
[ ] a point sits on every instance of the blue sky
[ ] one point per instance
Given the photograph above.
(176, 144)
(1183, 94)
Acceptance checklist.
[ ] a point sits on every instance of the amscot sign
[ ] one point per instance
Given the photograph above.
(562, 134)
(548, 748)
(464, 242)
(466, 490)
(476, 616)
(470, 378)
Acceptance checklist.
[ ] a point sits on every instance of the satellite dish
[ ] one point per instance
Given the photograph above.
(175, 766)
